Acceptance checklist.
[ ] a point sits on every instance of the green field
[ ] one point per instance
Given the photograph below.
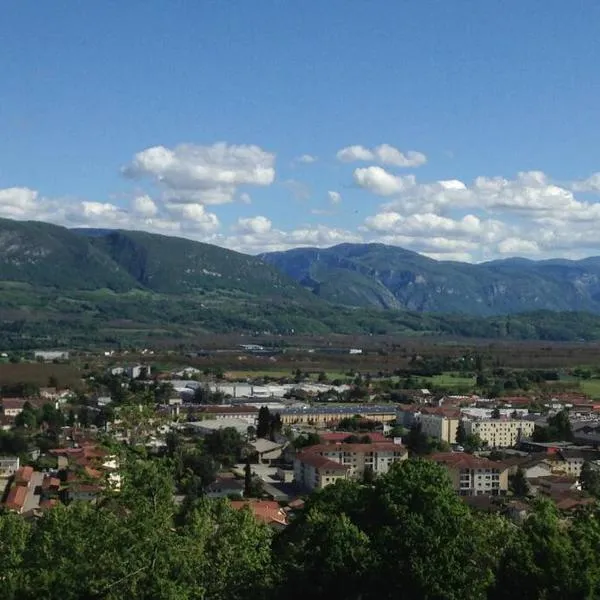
(590, 387)
(451, 381)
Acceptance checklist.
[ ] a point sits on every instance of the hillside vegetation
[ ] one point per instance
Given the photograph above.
(61, 287)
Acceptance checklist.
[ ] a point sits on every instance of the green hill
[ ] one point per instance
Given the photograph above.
(375, 275)
(88, 287)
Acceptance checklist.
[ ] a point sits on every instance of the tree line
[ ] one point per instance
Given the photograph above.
(404, 535)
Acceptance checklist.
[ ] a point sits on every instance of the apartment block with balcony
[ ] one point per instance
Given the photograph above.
(474, 476)
(500, 433)
(354, 460)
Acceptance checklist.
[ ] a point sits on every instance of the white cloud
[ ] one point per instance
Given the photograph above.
(203, 174)
(380, 182)
(591, 184)
(144, 206)
(334, 197)
(18, 202)
(355, 153)
(245, 198)
(306, 159)
(254, 225)
(194, 216)
(272, 240)
(384, 154)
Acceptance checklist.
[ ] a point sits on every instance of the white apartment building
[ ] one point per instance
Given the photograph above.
(319, 465)
(500, 433)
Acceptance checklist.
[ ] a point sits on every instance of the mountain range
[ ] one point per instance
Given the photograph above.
(93, 286)
(387, 277)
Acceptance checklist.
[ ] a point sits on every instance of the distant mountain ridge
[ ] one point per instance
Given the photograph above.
(82, 288)
(388, 277)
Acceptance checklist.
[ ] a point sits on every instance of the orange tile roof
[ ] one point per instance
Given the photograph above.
(321, 462)
(266, 511)
(463, 460)
(16, 498)
(373, 447)
(23, 475)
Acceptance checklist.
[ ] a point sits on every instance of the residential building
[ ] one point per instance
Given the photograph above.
(337, 437)
(314, 472)
(16, 498)
(266, 450)
(472, 475)
(225, 486)
(438, 422)
(8, 466)
(49, 356)
(266, 511)
(311, 472)
(324, 416)
(500, 433)
(11, 407)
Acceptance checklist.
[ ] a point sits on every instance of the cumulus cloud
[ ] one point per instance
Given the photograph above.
(203, 174)
(380, 182)
(144, 206)
(384, 154)
(254, 225)
(17, 202)
(334, 197)
(591, 184)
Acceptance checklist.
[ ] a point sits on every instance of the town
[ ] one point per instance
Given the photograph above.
(267, 442)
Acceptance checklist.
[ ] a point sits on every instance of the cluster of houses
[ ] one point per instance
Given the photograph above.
(82, 473)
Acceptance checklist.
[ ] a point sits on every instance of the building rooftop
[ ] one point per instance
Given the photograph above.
(373, 447)
(16, 498)
(336, 437)
(320, 462)
(266, 511)
(463, 460)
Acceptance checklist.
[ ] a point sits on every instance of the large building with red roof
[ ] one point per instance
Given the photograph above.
(472, 475)
(321, 465)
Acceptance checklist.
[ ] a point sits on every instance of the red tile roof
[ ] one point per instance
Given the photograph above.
(374, 447)
(23, 475)
(16, 498)
(50, 482)
(267, 511)
(462, 460)
(321, 462)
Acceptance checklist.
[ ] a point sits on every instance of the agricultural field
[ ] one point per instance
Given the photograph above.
(39, 374)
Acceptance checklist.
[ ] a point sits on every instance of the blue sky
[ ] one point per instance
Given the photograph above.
(189, 118)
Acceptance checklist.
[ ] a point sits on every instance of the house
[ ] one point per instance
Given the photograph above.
(474, 476)
(83, 492)
(16, 498)
(311, 472)
(225, 486)
(266, 450)
(266, 511)
(8, 466)
(555, 484)
(11, 407)
(23, 476)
